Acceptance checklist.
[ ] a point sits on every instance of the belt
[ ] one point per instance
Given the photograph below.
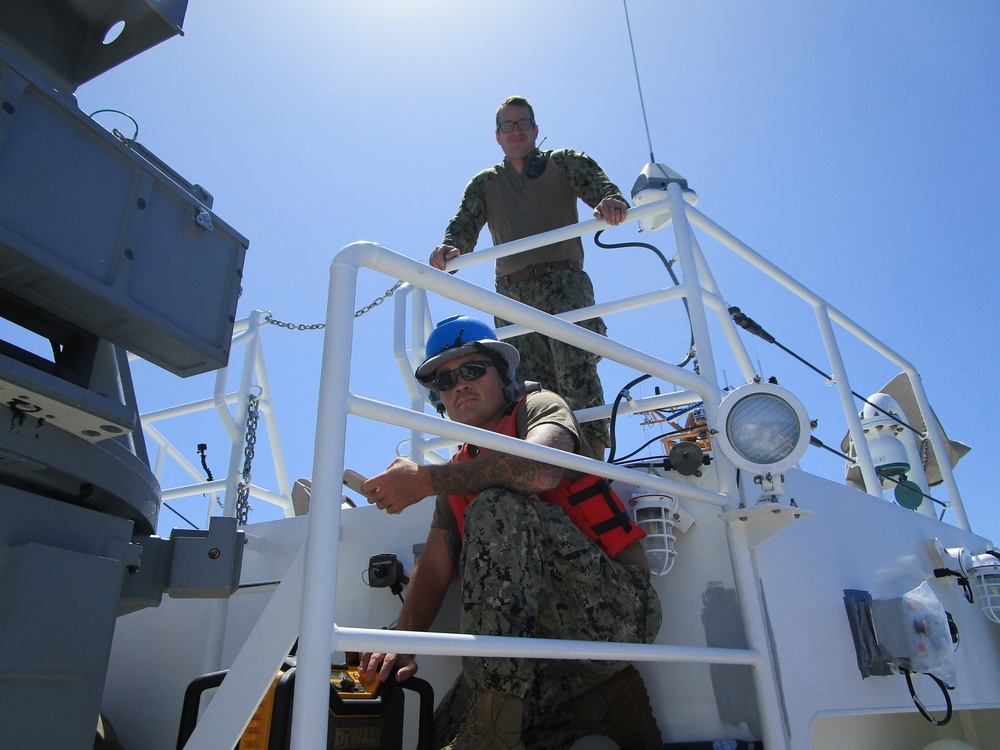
(539, 269)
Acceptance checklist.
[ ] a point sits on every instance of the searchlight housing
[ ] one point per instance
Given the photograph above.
(763, 429)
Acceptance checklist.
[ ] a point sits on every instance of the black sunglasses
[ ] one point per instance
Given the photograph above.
(507, 126)
(445, 381)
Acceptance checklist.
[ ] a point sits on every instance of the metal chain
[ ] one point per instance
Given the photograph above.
(294, 326)
(243, 488)
(320, 326)
(378, 300)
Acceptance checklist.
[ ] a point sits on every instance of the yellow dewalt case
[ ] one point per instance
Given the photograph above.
(362, 716)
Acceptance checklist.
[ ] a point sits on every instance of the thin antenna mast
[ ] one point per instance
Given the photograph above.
(638, 83)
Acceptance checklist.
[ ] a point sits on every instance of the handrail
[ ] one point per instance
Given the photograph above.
(651, 212)
(254, 375)
(463, 644)
(337, 402)
(389, 414)
(827, 314)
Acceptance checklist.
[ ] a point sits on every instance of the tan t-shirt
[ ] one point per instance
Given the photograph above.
(516, 206)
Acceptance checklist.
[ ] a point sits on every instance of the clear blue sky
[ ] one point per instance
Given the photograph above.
(854, 144)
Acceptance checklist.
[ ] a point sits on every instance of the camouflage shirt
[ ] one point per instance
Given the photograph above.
(516, 205)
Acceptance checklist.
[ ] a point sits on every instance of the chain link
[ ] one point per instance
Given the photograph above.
(295, 326)
(243, 488)
(378, 300)
(243, 491)
(320, 326)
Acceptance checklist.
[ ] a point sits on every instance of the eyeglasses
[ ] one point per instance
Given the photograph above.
(508, 126)
(445, 381)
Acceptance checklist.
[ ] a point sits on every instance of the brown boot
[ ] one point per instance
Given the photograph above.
(494, 723)
(619, 708)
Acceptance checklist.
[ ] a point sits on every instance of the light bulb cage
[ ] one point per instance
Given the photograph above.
(655, 514)
(988, 591)
(763, 428)
(981, 572)
(984, 571)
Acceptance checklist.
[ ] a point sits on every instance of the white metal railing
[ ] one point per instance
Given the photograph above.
(315, 587)
(336, 403)
(826, 315)
(232, 408)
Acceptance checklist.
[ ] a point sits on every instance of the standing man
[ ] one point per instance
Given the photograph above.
(540, 551)
(529, 192)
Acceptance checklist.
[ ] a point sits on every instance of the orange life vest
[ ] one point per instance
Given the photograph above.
(588, 500)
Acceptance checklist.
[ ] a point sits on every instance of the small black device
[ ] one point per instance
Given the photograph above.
(535, 165)
(386, 571)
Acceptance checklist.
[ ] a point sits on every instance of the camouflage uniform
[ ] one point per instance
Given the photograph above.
(515, 206)
(526, 570)
(559, 367)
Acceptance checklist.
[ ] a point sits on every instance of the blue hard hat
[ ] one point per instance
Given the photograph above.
(459, 335)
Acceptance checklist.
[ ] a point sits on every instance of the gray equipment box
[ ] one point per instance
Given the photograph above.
(96, 230)
(73, 41)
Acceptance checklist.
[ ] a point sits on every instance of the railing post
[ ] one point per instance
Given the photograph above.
(692, 284)
(319, 588)
(940, 450)
(246, 383)
(864, 456)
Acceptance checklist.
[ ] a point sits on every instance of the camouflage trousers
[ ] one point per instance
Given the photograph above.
(559, 367)
(527, 571)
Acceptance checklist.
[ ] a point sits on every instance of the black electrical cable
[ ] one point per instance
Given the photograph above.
(650, 463)
(751, 326)
(623, 245)
(691, 350)
(920, 706)
(896, 481)
(202, 448)
(963, 581)
(668, 264)
(652, 440)
(180, 515)
(820, 444)
(614, 414)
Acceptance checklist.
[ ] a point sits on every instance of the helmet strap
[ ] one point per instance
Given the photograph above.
(498, 361)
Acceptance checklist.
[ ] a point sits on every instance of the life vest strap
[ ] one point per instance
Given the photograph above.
(619, 517)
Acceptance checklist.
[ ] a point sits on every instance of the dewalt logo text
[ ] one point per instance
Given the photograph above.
(364, 737)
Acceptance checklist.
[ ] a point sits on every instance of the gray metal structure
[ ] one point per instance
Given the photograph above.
(103, 249)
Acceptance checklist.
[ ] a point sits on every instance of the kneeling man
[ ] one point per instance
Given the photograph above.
(540, 551)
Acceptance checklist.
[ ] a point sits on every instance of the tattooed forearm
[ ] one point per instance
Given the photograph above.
(493, 469)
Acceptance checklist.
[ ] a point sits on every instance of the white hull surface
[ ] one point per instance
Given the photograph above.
(802, 572)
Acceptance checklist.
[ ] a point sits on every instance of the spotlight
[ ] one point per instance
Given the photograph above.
(763, 430)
